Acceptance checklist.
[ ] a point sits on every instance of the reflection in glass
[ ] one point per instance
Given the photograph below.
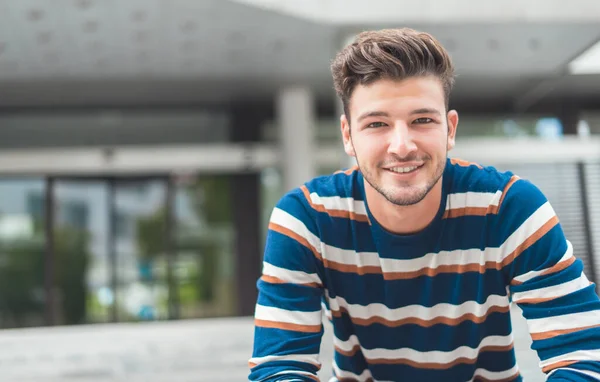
(82, 266)
(204, 266)
(22, 247)
(140, 239)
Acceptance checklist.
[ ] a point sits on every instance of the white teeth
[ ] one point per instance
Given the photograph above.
(403, 169)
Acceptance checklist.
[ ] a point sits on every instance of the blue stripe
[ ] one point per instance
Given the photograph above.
(492, 361)
(588, 339)
(355, 364)
(443, 288)
(568, 274)
(437, 337)
(583, 300)
(290, 296)
(272, 341)
(303, 260)
(570, 376)
(258, 372)
(586, 365)
(342, 185)
(544, 253)
(475, 179)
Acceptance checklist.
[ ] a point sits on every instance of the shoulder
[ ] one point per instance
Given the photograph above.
(483, 190)
(335, 195)
(474, 177)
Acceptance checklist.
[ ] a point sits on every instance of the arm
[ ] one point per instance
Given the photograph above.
(559, 303)
(288, 316)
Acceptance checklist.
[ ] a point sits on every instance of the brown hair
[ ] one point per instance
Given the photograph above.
(390, 53)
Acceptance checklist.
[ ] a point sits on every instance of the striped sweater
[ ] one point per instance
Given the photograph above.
(433, 306)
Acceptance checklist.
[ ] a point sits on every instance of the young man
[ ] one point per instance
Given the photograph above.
(414, 256)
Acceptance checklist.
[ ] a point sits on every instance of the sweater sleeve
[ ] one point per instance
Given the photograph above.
(559, 303)
(288, 315)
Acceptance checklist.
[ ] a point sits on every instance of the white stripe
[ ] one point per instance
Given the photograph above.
(578, 355)
(472, 199)
(418, 311)
(592, 374)
(495, 375)
(553, 291)
(365, 375)
(530, 275)
(346, 346)
(435, 260)
(307, 358)
(295, 277)
(269, 313)
(564, 322)
(533, 223)
(326, 311)
(339, 203)
(430, 260)
(286, 220)
(434, 356)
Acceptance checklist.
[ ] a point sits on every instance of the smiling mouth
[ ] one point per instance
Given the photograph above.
(404, 169)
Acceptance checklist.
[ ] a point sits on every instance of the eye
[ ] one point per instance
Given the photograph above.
(376, 124)
(422, 121)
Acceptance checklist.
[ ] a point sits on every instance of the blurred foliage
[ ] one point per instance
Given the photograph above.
(211, 204)
(22, 293)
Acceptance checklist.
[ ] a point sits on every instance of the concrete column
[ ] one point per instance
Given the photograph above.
(295, 108)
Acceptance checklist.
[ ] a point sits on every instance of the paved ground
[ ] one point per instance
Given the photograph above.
(181, 351)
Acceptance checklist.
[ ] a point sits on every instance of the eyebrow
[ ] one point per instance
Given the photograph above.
(373, 114)
(426, 110)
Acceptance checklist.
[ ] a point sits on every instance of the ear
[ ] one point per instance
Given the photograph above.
(452, 125)
(345, 127)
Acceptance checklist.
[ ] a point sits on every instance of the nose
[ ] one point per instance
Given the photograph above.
(401, 142)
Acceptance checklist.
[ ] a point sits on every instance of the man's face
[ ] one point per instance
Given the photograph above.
(400, 134)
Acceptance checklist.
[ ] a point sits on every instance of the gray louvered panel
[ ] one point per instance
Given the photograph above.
(592, 171)
(560, 183)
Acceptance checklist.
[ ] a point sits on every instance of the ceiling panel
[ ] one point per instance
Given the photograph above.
(68, 52)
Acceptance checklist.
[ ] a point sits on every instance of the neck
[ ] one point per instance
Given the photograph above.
(404, 220)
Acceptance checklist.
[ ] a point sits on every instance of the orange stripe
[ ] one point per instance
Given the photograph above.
(470, 211)
(277, 280)
(553, 366)
(334, 213)
(348, 171)
(554, 333)
(556, 268)
(288, 326)
(251, 365)
(293, 235)
(512, 181)
(463, 163)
